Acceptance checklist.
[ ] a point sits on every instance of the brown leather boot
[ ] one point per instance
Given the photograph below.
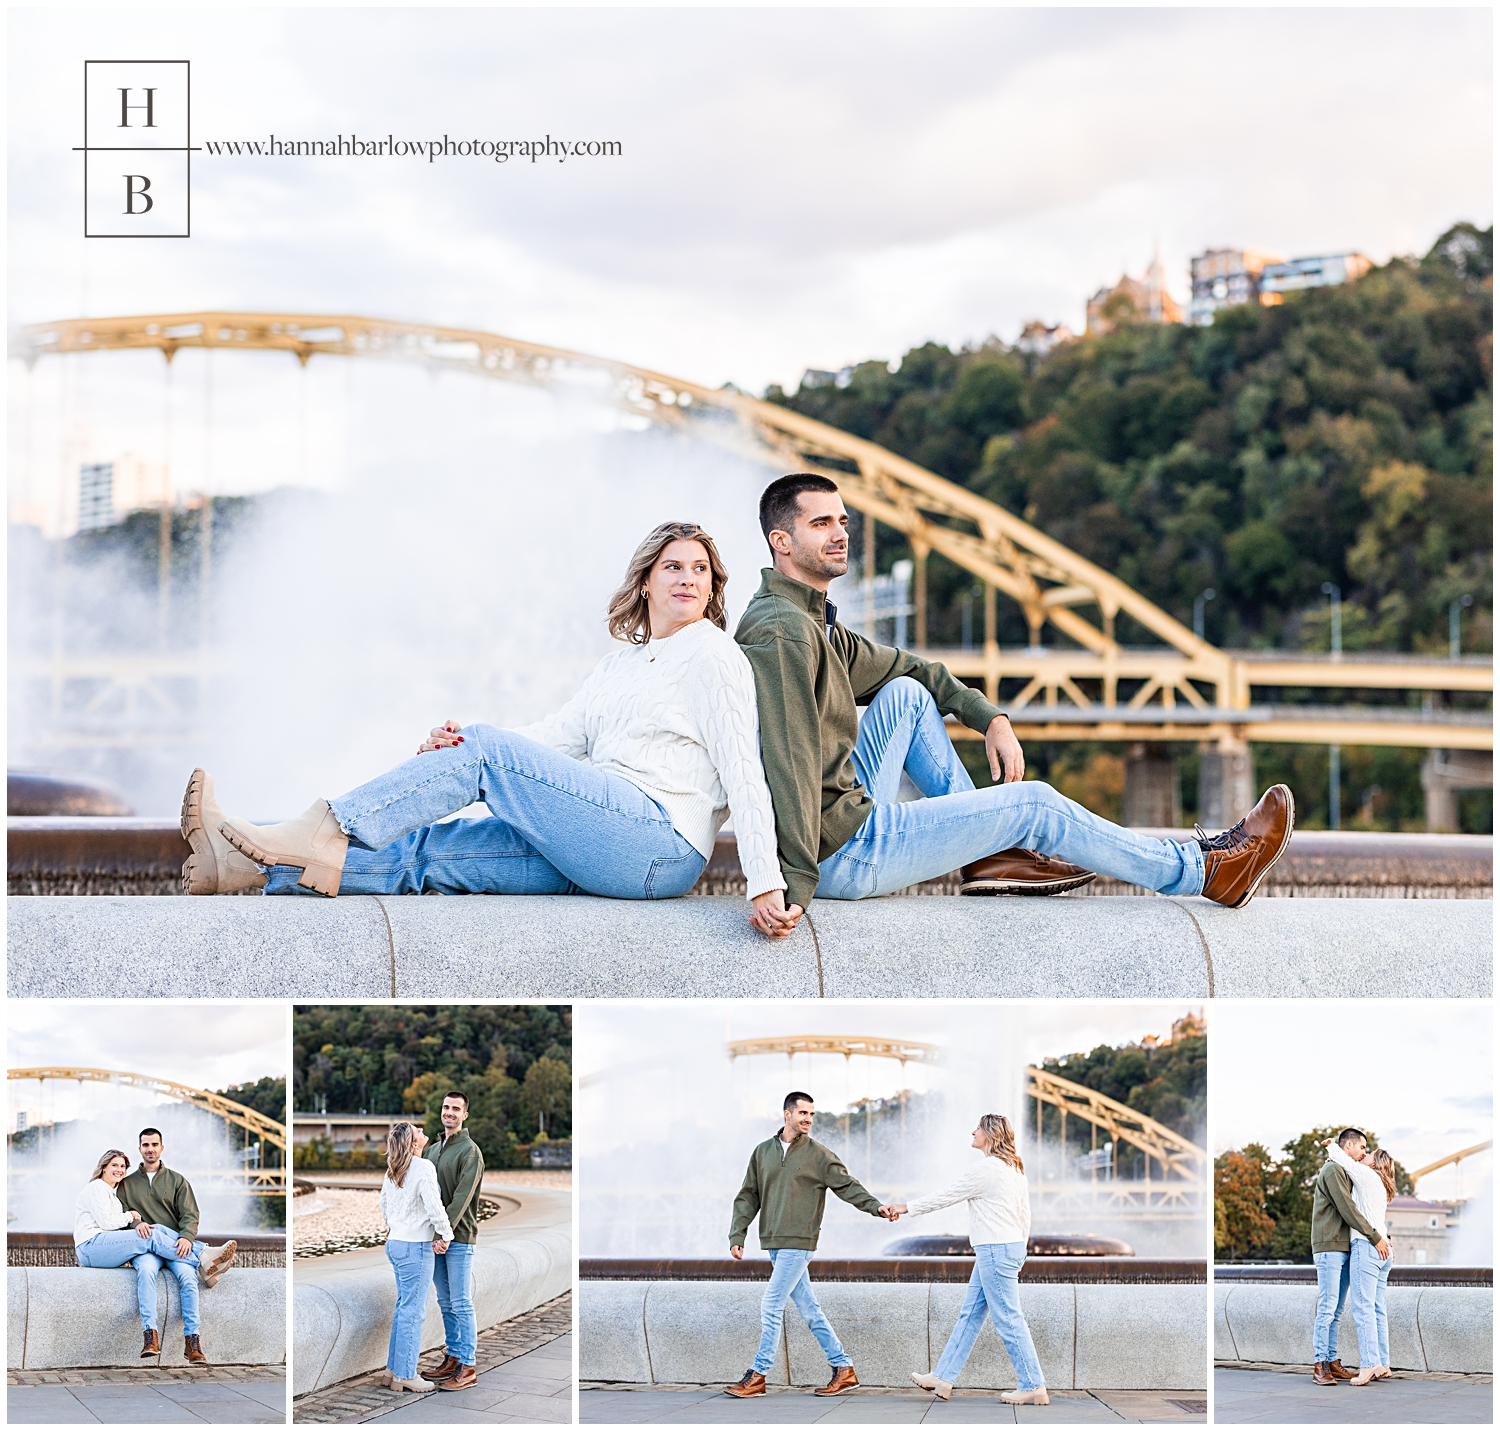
(843, 1380)
(192, 1349)
(1337, 1369)
(1022, 872)
(1322, 1376)
(151, 1345)
(461, 1380)
(751, 1384)
(1235, 862)
(449, 1366)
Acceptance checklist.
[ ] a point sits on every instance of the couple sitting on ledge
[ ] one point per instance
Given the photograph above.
(622, 791)
(148, 1218)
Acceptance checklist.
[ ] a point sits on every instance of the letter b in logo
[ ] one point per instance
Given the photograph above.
(137, 149)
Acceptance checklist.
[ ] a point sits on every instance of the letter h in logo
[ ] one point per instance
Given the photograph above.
(137, 149)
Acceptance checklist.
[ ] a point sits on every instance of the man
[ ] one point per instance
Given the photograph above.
(1333, 1213)
(788, 1177)
(164, 1198)
(833, 776)
(460, 1170)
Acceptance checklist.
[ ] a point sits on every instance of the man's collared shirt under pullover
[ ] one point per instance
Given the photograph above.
(1334, 1211)
(808, 680)
(166, 1200)
(787, 1185)
(460, 1170)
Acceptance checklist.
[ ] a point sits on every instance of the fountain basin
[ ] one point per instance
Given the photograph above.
(575, 946)
(70, 1317)
(1441, 1328)
(1087, 1334)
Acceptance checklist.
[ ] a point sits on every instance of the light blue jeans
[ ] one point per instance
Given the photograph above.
(903, 843)
(1333, 1287)
(994, 1286)
(149, 1254)
(556, 826)
(412, 1264)
(789, 1281)
(1367, 1278)
(453, 1276)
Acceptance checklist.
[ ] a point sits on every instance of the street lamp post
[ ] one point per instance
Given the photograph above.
(1199, 602)
(1336, 645)
(1454, 608)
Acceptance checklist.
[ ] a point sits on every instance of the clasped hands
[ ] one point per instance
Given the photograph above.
(439, 1246)
(441, 735)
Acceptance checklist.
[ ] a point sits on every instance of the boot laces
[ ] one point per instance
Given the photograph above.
(1231, 839)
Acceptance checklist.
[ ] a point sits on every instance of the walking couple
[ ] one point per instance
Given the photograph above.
(1351, 1247)
(429, 1202)
(786, 1183)
(622, 791)
(148, 1218)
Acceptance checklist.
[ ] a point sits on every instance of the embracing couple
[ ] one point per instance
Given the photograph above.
(1352, 1250)
(429, 1202)
(786, 1183)
(148, 1218)
(622, 791)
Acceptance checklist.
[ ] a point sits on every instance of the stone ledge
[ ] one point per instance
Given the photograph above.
(564, 947)
(1432, 1329)
(1122, 1337)
(71, 1317)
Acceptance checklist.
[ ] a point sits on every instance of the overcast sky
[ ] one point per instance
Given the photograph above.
(205, 1045)
(1418, 1073)
(797, 188)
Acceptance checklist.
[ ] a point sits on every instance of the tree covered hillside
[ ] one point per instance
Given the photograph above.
(513, 1061)
(1344, 436)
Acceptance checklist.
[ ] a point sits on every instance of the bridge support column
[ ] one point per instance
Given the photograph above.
(1153, 789)
(1226, 786)
(1444, 774)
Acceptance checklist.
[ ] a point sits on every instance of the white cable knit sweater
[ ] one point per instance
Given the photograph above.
(677, 718)
(97, 1210)
(414, 1211)
(999, 1204)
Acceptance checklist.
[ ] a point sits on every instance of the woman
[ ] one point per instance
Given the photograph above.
(104, 1234)
(417, 1229)
(999, 1224)
(667, 724)
(1374, 1180)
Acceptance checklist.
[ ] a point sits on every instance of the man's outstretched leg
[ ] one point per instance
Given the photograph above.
(902, 732)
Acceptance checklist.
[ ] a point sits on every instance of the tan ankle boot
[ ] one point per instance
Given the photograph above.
(1037, 1396)
(215, 1261)
(935, 1384)
(214, 866)
(312, 843)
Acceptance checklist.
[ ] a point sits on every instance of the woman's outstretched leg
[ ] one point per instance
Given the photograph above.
(559, 824)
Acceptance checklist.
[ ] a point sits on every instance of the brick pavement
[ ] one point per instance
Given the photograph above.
(241, 1395)
(541, 1392)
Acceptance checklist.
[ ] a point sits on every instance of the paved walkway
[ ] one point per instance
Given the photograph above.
(875, 1406)
(1279, 1398)
(240, 1395)
(525, 1375)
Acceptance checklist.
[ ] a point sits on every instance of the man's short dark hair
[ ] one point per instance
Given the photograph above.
(793, 1099)
(778, 503)
(144, 1131)
(1349, 1135)
(456, 1094)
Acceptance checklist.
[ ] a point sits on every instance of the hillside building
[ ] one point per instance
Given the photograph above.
(1038, 339)
(109, 491)
(1225, 277)
(1277, 279)
(1141, 300)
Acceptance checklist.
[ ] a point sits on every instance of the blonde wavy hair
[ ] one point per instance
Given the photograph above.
(1002, 1140)
(105, 1159)
(1385, 1165)
(629, 615)
(400, 1148)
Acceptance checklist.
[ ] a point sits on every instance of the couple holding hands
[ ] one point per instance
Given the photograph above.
(622, 792)
(786, 1183)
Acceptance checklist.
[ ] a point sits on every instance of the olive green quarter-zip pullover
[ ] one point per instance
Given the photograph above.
(460, 1170)
(1334, 1211)
(788, 1193)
